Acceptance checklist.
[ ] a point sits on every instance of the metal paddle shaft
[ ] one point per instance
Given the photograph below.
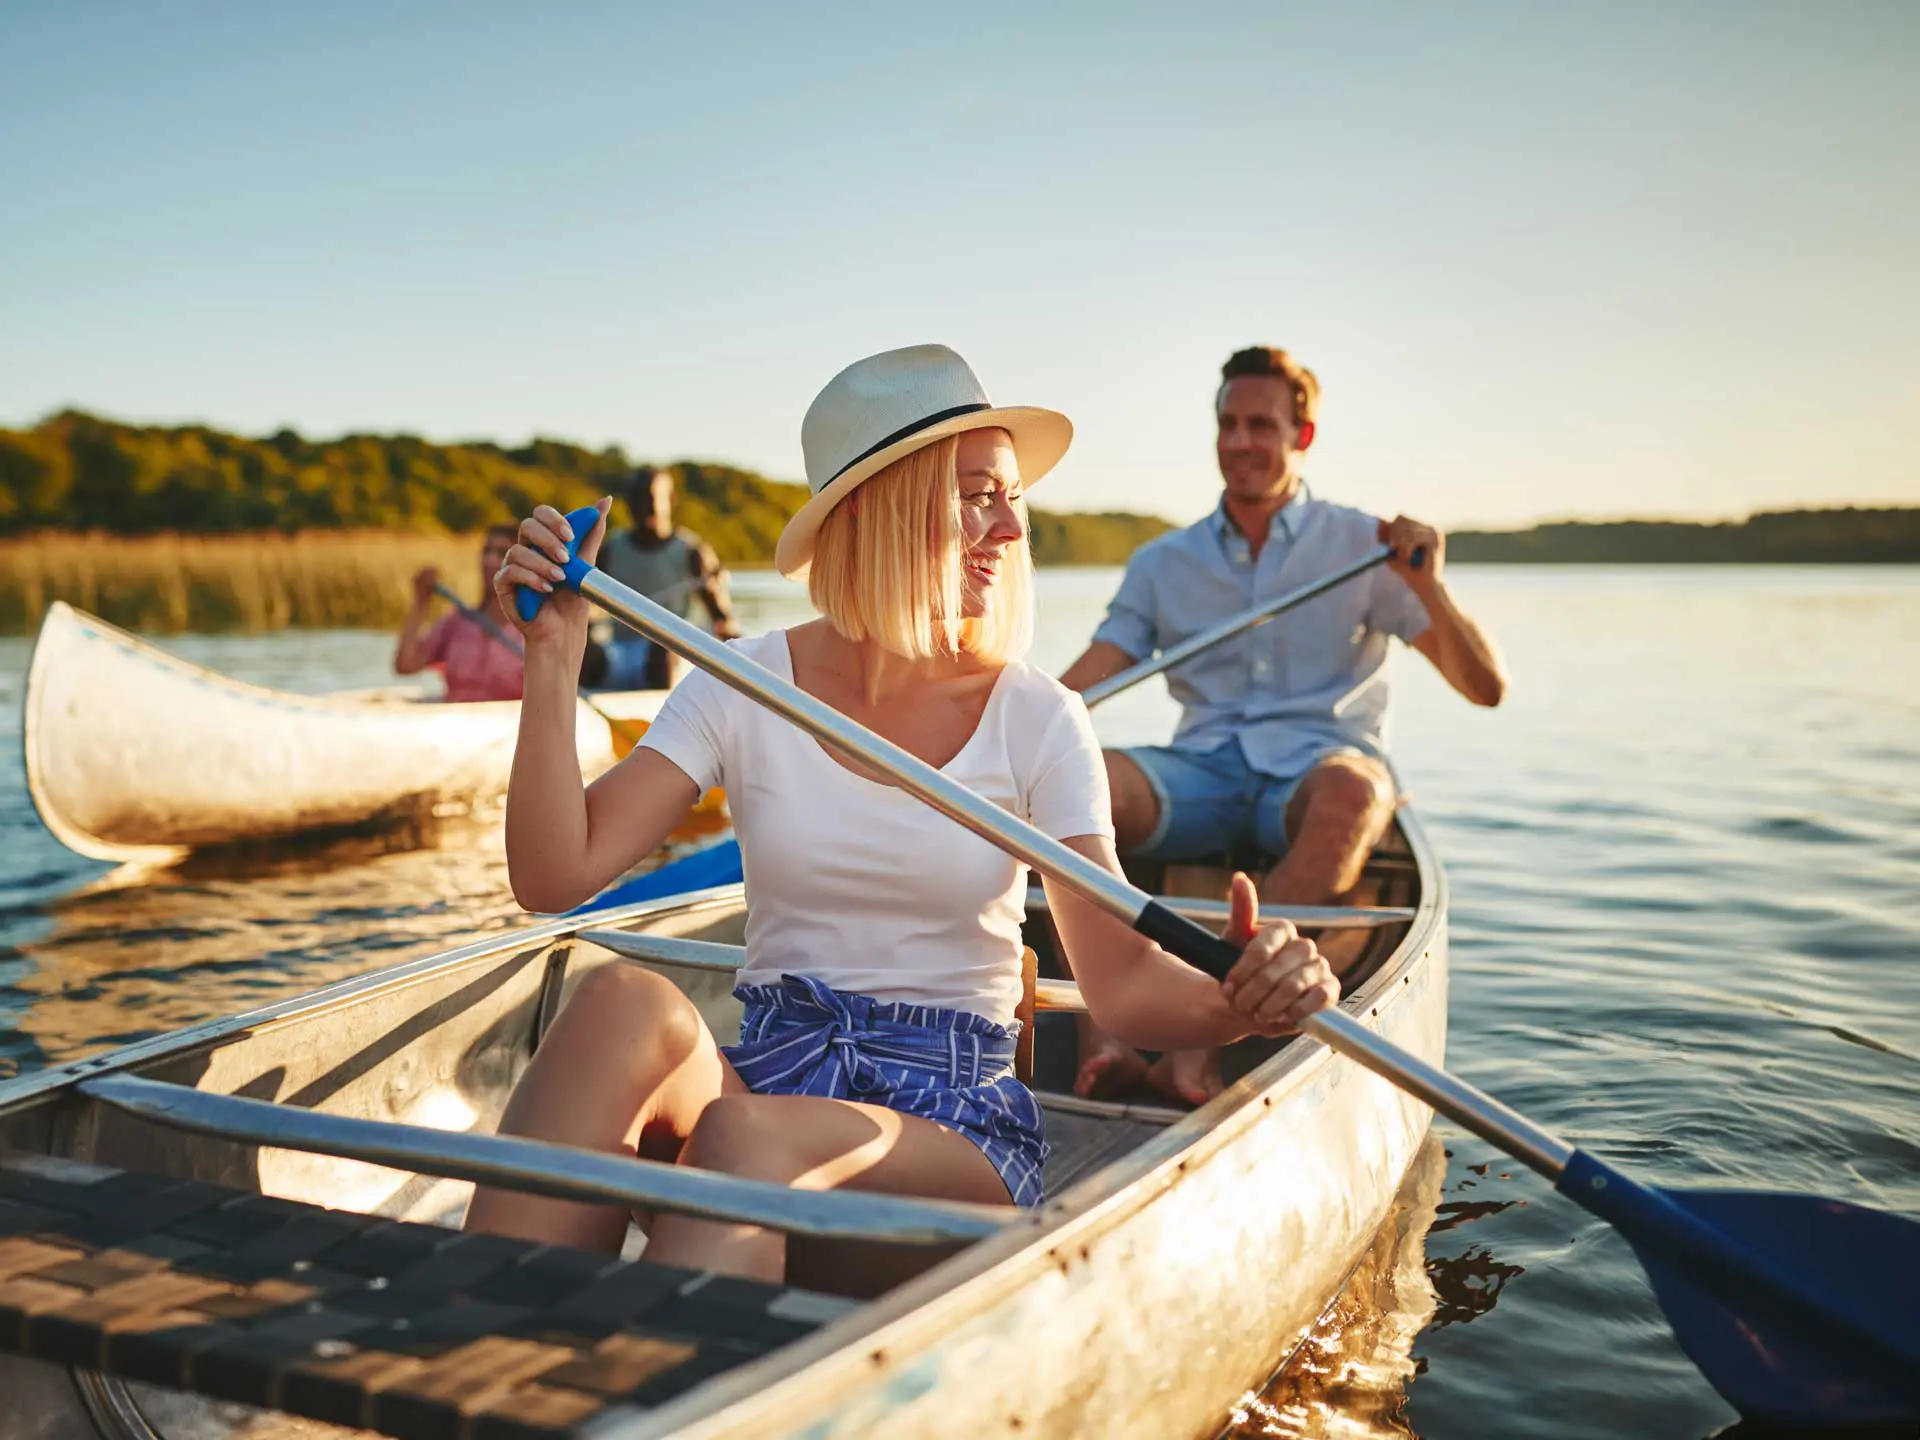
(1232, 626)
(1779, 1342)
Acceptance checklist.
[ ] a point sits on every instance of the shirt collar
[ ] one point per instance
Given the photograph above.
(1286, 523)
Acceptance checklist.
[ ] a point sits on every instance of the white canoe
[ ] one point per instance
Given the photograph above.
(133, 754)
(1178, 1259)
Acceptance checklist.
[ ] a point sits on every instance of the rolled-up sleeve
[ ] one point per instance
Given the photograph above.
(1132, 621)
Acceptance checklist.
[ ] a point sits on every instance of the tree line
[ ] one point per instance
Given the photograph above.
(1850, 536)
(75, 471)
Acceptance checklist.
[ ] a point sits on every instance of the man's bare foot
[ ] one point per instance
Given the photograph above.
(1107, 1068)
(1190, 1076)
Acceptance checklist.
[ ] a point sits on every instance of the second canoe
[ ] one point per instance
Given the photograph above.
(135, 755)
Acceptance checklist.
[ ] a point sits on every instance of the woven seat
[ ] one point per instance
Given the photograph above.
(411, 1329)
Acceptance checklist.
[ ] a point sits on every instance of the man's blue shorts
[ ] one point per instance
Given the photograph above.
(1212, 802)
(627, 661)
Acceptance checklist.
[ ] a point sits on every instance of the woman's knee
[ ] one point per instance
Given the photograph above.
(746, 1135)
(644, 1009)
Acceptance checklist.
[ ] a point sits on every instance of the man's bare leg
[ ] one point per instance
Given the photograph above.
(1338, 813)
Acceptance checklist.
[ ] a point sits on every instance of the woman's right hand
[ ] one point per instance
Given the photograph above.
(537, 560)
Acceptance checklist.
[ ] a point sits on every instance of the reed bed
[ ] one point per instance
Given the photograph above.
(167, 584)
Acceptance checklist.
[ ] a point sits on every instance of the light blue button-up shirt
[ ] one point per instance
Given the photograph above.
(1312, 680)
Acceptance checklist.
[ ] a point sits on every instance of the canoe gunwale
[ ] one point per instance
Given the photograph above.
(392, 980)
(540, 1167)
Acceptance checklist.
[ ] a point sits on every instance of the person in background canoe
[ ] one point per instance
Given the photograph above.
(883, 954)
(477, 665)
(670, 566)
(1281, 747)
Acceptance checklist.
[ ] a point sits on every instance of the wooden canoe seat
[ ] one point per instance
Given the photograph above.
(1024, 1013)
(410, 1329)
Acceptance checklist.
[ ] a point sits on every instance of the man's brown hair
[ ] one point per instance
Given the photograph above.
(1272, 360)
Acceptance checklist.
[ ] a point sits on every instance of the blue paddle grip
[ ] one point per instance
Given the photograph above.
(528, 600)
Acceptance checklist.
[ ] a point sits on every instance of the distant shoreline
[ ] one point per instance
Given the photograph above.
(1849, 536)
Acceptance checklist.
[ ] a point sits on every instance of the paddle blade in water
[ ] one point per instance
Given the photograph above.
(528, 600)
(1799, 1310)
(1783, 1363)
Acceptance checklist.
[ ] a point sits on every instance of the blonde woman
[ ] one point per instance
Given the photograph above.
(883, 941)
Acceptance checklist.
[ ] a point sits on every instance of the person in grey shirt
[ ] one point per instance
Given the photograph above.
(668, 565)
(1281, 748)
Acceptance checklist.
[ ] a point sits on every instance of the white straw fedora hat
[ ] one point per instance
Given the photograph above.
(889, 405)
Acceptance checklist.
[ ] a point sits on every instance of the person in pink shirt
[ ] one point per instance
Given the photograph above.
(477, 651)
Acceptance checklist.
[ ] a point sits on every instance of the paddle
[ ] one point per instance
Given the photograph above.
(487, 623)
(1797, 1309)
(1254, 615)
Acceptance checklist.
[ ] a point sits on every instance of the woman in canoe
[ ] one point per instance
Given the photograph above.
(883, 954)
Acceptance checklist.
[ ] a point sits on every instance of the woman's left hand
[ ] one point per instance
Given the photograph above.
(1280, 978)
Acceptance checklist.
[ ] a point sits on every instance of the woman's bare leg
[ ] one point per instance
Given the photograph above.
(628, 1064)
(813, 1143)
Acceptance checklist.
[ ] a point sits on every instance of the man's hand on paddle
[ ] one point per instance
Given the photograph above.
(1280, 978)
(1408, 536)
(537, 561)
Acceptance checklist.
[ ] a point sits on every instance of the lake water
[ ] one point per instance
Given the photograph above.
(1685, 859)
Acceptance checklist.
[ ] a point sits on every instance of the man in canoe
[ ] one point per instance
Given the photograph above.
(671, 566)
(1281, 747)
(478, 661)
(883, 955)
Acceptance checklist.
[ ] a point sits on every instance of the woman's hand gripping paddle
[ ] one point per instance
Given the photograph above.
(1798, 1310)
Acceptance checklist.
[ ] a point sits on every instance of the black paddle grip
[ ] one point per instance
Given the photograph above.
(1193, 943)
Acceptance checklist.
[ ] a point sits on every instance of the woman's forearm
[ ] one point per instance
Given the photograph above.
(1156, 1001)
(546, 795)
(1134, 990)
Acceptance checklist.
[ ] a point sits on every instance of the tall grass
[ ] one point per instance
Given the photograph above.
(173, 583)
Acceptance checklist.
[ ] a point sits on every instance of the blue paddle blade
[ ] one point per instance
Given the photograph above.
(1799, 1310)
(528, 600)
(702, 870)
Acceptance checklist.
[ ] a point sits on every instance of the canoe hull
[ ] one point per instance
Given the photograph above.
(132, 754)
(1123, 1307)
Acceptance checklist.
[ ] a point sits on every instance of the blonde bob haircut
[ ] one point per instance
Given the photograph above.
(887, 566)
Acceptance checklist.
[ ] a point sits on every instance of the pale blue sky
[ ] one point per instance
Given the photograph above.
(1548, 260)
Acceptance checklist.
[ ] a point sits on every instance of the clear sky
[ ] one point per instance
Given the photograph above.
(1547, 260)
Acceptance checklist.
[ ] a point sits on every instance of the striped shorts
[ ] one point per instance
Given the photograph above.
(801, 1037)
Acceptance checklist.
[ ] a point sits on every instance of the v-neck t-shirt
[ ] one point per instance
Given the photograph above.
(861, 885)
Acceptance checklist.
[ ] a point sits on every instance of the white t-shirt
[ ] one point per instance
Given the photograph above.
(860, 884)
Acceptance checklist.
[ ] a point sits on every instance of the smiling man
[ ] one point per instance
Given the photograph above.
(1281, 747)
